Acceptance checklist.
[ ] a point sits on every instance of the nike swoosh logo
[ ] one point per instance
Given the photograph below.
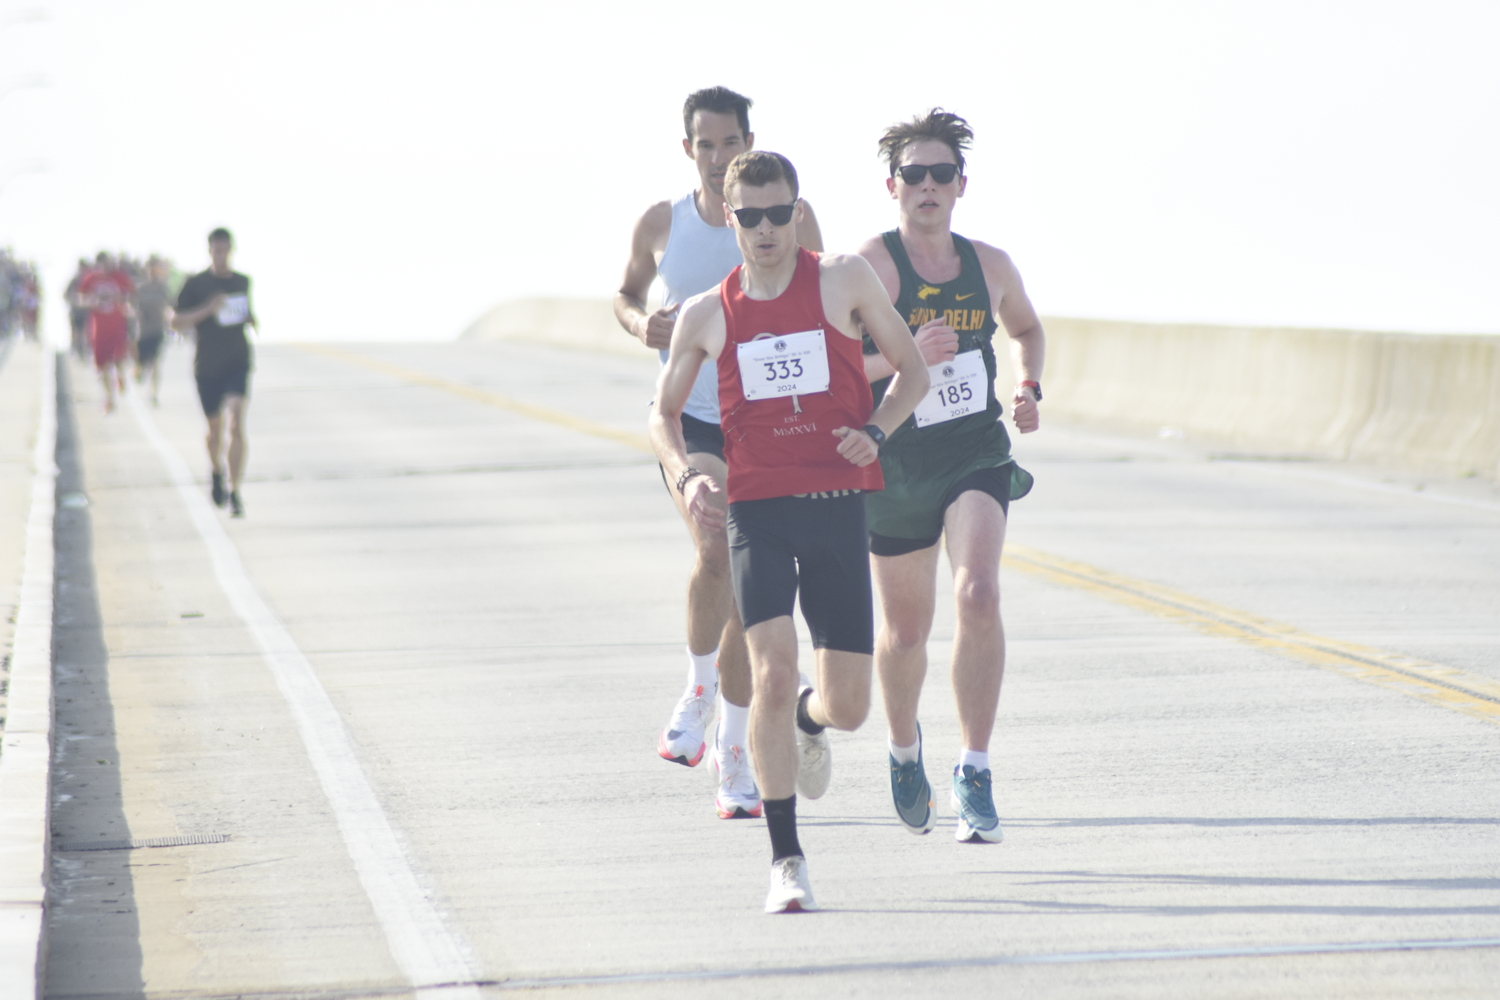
(960, 298)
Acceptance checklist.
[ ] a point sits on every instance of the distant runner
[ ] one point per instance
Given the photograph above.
(688, 245)
(105, 291)
(152, 307)
(948, 469)
(801, 445)
(216, 303)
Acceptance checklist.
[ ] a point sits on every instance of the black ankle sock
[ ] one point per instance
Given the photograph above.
(781, 820)
(804, 721)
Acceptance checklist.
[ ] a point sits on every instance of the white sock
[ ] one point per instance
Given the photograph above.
(734, 725)
(979, 760)
(906, 755)
(703, 670)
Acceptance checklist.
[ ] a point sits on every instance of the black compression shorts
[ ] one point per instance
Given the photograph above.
(995, 482)
(815, 544)
(213, 388)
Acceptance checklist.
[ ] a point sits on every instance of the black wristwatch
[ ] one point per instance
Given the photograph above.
(876, 434)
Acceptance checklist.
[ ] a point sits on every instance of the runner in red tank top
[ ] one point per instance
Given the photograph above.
(801, 444)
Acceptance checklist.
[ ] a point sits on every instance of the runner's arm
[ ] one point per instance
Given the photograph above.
(698, 337)
(935, 339)
(184, 321)
(1028, 342)
(654, 329)
(873, 311)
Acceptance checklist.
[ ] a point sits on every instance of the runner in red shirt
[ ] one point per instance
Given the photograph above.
(106, 292)
(801, 444)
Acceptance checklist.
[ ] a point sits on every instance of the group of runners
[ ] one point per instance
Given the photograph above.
(20, 296)
(824, 421)
(116, 304)
(119, 308)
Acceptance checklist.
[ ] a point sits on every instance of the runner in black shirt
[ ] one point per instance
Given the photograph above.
(216, 303)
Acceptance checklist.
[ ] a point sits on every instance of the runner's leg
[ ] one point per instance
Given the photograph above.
(215, 441)
(711, 619)
(773, 743)
(905, 586)
(975, 529)
(235, 406)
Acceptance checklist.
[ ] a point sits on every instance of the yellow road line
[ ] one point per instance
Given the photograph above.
(1431, 682)
(637, 441)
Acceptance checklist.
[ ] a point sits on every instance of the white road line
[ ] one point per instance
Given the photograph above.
(26, 760)
(431, 956)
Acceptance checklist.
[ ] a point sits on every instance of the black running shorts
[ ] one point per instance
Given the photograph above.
(702, 437)
(148, 347)
(816, 544)
(995, 481)
(214, 387)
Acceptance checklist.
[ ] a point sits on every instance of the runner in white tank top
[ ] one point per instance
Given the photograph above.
(689, 246)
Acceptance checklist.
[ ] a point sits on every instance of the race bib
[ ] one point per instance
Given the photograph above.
(791, 364)
(958, 389)
(236, 309)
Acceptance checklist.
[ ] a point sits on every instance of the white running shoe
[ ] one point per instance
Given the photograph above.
(814, 760)
(682, 741)
(790, 892)
(737, 798)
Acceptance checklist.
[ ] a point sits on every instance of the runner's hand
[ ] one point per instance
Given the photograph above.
(937, 342)
(656, 331)
(699, 492)
(1024, 411)
(856, 446)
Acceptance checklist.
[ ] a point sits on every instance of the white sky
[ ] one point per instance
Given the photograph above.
(392, 171)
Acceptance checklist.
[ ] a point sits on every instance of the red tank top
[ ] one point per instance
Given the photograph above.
(784, 446)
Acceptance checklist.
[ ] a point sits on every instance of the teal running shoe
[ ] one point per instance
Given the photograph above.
(975, 805)
(912, 794)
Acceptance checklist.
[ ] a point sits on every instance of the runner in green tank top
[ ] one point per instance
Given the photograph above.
(948, 469)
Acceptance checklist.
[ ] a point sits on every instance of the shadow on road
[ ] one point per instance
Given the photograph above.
(92, 927)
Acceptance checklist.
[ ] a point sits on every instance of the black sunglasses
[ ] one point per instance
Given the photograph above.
(779, 215)
(941, 172)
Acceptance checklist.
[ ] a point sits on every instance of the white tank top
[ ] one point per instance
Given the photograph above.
(698, 257)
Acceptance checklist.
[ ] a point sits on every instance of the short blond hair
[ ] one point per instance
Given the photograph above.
(757, 168)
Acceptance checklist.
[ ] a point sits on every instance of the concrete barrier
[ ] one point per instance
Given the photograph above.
(587, 324)
(1415, 400)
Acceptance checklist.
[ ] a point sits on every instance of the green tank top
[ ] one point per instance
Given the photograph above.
(965, 304)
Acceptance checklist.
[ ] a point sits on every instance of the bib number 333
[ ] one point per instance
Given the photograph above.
(789, 364)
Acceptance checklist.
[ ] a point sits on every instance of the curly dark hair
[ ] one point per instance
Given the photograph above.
(944, 126)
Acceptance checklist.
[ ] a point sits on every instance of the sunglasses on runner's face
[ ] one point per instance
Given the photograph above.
(941, 172)
(779, 215)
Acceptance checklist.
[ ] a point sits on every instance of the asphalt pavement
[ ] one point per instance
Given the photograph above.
(394, 731)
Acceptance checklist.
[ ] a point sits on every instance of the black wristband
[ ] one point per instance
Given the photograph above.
(876, 434)
(687, 474)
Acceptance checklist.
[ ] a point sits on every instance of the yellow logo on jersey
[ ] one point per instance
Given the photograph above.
(959, 319)
(927, 291)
